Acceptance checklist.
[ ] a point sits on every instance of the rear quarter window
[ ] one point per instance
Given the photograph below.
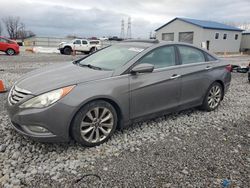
(210, 58)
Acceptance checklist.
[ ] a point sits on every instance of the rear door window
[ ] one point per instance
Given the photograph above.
(190, 55)
(84, 42)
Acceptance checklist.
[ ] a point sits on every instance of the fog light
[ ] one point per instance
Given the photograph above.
(35, 129)
(38, 129)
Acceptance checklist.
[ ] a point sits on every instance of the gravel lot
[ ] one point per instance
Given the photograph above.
(187, 149)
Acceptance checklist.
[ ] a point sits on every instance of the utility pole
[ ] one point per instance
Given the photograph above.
(129, 32)
(122, 29)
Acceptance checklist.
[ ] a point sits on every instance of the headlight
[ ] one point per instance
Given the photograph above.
(46, 99)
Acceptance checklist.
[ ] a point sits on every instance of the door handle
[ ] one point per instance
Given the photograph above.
(208, 67)
(174, 76)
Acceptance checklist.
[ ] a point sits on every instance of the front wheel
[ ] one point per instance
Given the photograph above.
(67, 51)
(10, 52)
(213, 97)
(94, 123)
(61, 51)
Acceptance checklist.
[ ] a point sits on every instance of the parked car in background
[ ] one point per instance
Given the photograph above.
(79, 45)
(10, 47)
(103, 38)
(115, 38)
(131, 81)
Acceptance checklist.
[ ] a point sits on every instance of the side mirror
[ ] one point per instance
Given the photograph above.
(142, 68)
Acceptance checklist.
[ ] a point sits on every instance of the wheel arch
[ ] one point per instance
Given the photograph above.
(67, 47)
(93, 48)
(223, 87)
(106, 99)
(9, 48)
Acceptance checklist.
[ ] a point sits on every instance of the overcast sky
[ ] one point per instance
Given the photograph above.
(88, 18)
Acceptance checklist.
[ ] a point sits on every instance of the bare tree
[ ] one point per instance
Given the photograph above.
(245, 26)
(16, 29)
(21, 33)
(242, 25)
(12, 25)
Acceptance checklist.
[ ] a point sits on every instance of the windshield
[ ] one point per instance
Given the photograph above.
(111, 57)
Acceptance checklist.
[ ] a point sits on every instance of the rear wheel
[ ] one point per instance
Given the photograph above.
(10, 51)
(213, 97)
(94, 123)
(67, 51)
(92, 50)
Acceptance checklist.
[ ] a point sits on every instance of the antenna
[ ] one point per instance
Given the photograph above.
(129, 33)
(122, 30)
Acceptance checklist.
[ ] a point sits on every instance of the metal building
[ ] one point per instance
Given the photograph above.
(214, 36)
(245, 42)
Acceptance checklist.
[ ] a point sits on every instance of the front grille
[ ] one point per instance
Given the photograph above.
(17, 95)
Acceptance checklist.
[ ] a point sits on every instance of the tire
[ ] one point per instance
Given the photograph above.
(213, 97)
(90, 131)
(92, 50)
(61, 51)
(10, 52)
(67, 51)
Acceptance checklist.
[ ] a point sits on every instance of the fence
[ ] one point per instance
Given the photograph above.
(45, 41)
(54, 42)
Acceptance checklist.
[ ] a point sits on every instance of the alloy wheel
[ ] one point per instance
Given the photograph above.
(97, 124)
(10, 52)
(214, 97)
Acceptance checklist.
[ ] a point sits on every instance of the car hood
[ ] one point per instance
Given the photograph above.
(65, 43)
(57, 76)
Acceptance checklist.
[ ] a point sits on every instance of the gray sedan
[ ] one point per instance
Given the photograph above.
(89, 99)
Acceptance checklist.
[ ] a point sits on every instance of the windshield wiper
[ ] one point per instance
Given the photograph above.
(90, 66)
(76, 61)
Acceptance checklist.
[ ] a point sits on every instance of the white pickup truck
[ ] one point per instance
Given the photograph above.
(79, 45)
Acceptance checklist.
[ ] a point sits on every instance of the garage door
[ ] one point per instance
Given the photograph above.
(168, 36)
(186, 37)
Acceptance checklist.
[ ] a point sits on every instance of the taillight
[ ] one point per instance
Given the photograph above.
(229, 68)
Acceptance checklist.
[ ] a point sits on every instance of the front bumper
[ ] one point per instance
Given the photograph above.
(55, 118)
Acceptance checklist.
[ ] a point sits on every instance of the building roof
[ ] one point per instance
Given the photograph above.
(205, 24)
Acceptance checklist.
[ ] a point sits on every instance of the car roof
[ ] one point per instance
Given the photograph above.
(139, 43)
(150, 43)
